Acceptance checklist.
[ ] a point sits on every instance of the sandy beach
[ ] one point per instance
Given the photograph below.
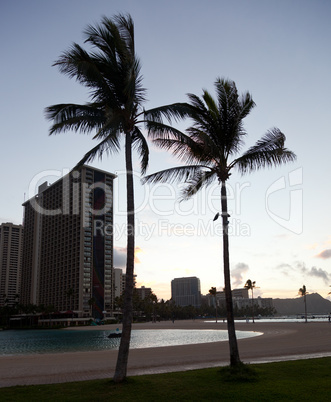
(280, 341)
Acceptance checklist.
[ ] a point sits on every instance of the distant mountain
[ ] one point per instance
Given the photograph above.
(316, 304)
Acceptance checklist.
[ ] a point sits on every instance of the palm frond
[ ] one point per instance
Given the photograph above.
(74, 117)
(109, 145)
(227, 95)
(125, 26)
(187, 149)
(196, 103)
(184, 152)
(112, 71)
(172, 112)
(201, 178)
(268, 151)
(211, 104)
(179, 173)
(87, 69)
(112, 125)
(129, 60)
(140, 144)
(246, 105)
(157, 130)
(221, 119)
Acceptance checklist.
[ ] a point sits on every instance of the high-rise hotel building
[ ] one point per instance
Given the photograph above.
(11, 242)
(186, 291)
(68, 244)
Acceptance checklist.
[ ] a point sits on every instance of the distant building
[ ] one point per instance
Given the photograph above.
(238, 297)
(143, 292)
(241, 302)
(68, 244)
(118, 282)
(264, 302)
(240, 293)
(186, 291)
(119, 279)
(258, 301)
(11, 243)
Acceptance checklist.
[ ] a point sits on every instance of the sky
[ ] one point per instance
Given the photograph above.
(279, 51)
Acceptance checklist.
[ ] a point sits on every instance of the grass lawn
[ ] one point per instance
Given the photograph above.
(300, 380)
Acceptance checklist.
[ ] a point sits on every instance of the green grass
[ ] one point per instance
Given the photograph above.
(301, 380)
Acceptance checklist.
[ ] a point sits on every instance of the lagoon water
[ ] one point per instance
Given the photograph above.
(18, 342)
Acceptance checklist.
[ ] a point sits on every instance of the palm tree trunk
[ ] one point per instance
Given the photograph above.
(253, 306)
(234, 352)
(215, 308)
(123, 353)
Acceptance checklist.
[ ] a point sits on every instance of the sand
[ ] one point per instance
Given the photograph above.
(280, 341)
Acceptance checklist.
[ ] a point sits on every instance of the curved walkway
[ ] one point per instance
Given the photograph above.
(280, 341)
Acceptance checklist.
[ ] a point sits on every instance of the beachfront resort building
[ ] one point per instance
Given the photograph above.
(238, 296)
(240, 299)
(11, 242)
(186, 291)
(68, 244)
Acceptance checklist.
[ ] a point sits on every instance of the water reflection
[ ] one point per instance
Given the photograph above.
(57, 341)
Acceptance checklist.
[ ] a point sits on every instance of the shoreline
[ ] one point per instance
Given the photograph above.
(280, 341)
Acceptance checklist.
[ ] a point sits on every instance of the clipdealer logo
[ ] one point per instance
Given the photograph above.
(290, 187)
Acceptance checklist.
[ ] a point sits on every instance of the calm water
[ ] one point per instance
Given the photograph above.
(282, 319)
(58, 341)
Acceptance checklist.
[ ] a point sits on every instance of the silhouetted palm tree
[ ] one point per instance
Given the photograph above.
(111, 71)
(208, 151)
(249, 285)
(213, 292)
(303, 292)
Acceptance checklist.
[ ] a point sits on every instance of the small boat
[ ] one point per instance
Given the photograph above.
(116, 334)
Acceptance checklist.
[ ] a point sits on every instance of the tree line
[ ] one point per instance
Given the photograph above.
(147, 309)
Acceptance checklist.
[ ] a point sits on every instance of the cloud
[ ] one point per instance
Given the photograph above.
(120, 256)
(137, 250)
(320, 273)
(313, 271)
(324, 254)
(303, 270)
(237, 273)
(286, 269)
(301, 267)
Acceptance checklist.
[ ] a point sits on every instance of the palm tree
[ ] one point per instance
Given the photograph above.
(249, 285)
(153, 299)
(303, 292)
(111, 71)
(213, 292)
(208, 150)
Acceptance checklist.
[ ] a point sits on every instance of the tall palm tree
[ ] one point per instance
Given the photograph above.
(249, 285)
(213, 292)
(208, 150)
(303, 292)
(111, 71)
